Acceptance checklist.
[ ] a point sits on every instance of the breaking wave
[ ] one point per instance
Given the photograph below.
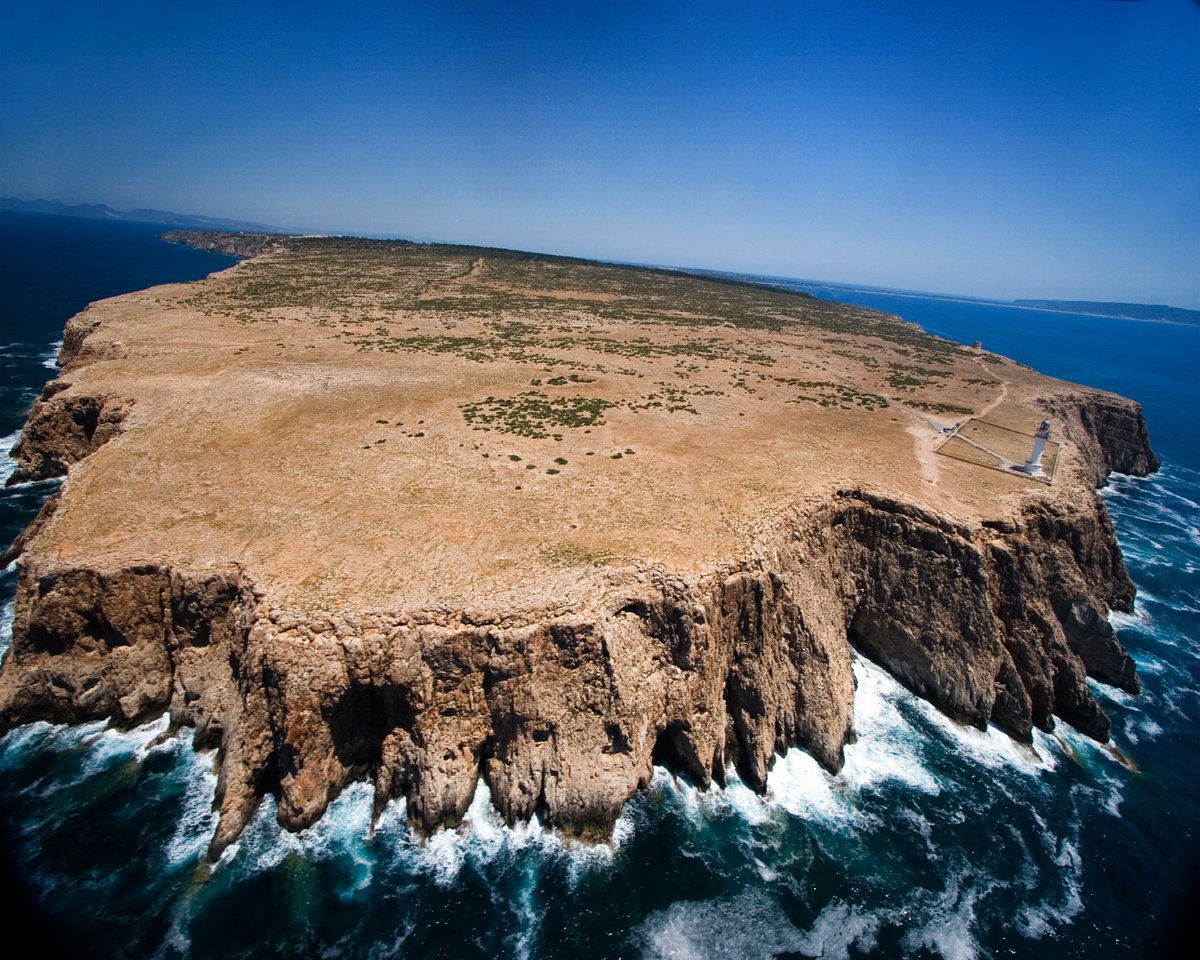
(7, 463)
(50, 359)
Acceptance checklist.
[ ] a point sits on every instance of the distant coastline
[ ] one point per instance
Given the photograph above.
(1142, 312)
(101, 211)
(1123, 311)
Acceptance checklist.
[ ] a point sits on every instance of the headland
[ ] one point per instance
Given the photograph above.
(423, 514)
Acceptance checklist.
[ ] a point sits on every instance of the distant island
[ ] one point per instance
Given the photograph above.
(1125, 311)
(101, 211)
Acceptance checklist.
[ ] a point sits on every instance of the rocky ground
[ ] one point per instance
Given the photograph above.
(422, 514)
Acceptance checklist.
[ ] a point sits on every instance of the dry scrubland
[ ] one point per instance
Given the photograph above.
(402, 425)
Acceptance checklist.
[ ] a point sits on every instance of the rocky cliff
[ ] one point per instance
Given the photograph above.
(563, 713)
(235, 244)
(563, 703)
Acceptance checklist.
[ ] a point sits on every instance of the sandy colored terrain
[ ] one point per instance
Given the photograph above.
(429, 515)
(391, 426)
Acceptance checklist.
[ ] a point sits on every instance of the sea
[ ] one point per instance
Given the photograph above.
(934, 841)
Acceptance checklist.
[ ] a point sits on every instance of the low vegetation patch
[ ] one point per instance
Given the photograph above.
(534, 414)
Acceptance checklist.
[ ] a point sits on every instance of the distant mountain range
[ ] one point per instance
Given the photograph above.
(101, 211)
(1126, 311)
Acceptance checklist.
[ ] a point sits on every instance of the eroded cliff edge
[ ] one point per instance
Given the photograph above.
(563, 713)
(563, 704)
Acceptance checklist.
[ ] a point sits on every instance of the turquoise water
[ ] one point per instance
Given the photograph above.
(935, 841)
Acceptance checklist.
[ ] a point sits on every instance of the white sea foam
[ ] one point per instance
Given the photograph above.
(345, 832)
(991, 747)
(799, 785)
(51, 359)
(1148, 664)
(102, 747)
(1149, 728)
(750, 926)
(264, 844)
(15, 744)
(950, 917)
(197, 820)
(699, 807)
(739, 798)
(7, 463)
(176, 943)
(1104, 691)
(1112, 795)
(1178, 701)
(529, 917)
(840, 927)
(1186, 501)
(1144, 596)
(107, 744)
(1158, 513)
(996, 749)
(1140, 618)
(391, 950)
(1109, 771)
(1035, 921)
(888, 747)
(939, 922)
(7, 611)
(922, 826)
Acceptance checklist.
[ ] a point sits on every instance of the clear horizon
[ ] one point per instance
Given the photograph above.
(1024, 151)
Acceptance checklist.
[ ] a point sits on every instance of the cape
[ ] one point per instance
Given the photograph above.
(426, 514)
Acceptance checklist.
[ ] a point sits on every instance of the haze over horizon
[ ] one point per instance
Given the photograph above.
(1023, 150)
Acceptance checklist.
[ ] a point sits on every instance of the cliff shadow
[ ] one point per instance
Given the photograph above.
(361, 718)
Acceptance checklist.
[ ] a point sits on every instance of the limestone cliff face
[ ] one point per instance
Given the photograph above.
(65, 426)
(564, 712)
(563, 716)
(1110, 430)
(235, 244)
(62, 429)
(998, 625)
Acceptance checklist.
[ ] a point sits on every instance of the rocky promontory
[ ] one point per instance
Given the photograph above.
(424, 514)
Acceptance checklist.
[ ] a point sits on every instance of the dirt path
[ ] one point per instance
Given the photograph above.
(924, 449)
(439, 287)
(1003, 391)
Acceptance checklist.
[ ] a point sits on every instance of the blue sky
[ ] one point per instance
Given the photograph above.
(1010, 149)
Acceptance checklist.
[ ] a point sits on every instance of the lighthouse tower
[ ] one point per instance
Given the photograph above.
(1033, 466)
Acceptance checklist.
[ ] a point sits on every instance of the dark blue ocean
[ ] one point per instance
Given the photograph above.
(935, 841)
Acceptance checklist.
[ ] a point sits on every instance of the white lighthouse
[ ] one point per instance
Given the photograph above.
(1033, 466)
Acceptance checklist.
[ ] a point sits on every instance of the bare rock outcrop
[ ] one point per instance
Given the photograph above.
(562, 717)
(1000, 625)
(62, 429)
(1111, 431)
(230, 242)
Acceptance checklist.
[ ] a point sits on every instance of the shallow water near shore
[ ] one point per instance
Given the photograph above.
(934, 841)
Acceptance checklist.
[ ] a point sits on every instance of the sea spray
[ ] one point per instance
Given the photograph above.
(50, 360)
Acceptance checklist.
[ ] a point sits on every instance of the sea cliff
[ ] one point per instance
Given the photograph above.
(746, 495)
